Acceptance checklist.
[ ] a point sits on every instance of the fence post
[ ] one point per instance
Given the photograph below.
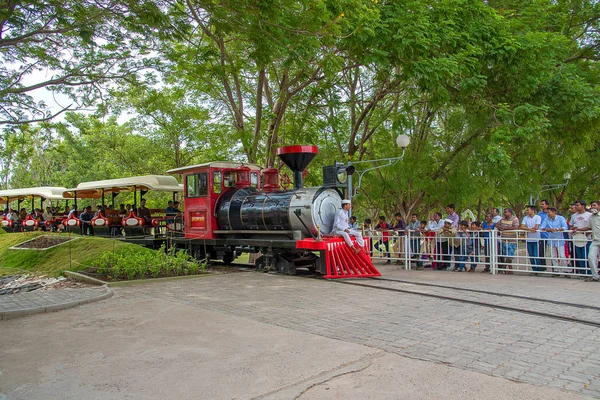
(407, 239)
(493, 251)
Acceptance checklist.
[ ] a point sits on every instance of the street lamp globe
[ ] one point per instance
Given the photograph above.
(403, 141)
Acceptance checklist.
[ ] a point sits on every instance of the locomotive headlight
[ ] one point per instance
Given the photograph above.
(337, 174)
(343, 171)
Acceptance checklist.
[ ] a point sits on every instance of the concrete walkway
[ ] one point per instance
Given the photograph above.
(255, 337)
(43, 301)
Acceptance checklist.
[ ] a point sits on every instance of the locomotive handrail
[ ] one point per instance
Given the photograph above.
(253, 232)
(297, 213)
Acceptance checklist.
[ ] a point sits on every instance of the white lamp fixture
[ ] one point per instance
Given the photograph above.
(403, 141)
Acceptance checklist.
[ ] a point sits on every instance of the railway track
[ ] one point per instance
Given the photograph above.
(558, 310)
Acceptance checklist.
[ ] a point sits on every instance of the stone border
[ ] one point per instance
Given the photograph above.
(45, 248)
(157, 280)
(84, 278)
(4, 315)
(95, 281)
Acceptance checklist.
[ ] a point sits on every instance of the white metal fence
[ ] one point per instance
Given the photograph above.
(488, 251)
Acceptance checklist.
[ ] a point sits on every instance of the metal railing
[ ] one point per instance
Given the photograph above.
(488, 251)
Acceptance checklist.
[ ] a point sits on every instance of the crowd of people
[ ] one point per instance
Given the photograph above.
(445, 242)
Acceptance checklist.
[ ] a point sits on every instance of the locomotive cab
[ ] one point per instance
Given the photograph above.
(204, 184)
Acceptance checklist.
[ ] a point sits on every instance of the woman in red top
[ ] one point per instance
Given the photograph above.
(384, 227)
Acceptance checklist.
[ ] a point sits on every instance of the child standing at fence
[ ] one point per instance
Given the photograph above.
(414, 230)
(463, 247)
(368, 232)
(476, 244)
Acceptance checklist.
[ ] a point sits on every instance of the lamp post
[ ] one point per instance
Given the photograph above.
(402, 141)
(547, 188)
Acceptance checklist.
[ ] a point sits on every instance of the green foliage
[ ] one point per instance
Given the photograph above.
(71, 48)
(134, 264)
(500, 98)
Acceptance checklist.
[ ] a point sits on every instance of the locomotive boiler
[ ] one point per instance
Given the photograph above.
(303, 210)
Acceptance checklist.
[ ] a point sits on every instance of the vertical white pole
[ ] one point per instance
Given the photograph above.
(407, 239)
(493, 251)
(349, 190)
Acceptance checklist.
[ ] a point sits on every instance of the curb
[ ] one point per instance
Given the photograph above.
(84, 278)
(158, 280)
(4, 315)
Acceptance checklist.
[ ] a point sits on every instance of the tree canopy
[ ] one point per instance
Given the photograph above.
(500, 98)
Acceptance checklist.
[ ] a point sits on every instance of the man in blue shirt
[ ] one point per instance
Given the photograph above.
(555, 225)
(543, 235)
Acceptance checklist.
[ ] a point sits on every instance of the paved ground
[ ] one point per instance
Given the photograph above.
(41, 301)
(254, 335)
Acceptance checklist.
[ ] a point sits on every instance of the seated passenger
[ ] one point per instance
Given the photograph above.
(130, 209)
(39, 217)
(22, 214)
(10, 215)
(341, 227)
(86, 218)
(169, 211)
(144, 213)
(48, 216)
(72, 213)
(99, 212)
(67, 211)
(122, 211)
(176, 206)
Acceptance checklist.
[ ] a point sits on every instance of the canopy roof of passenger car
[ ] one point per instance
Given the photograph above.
(214, 164)
(160, 183)
(47, 192)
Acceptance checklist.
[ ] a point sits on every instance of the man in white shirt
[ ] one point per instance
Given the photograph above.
(436, 223)
(595, 247)
(580, 225)
(342, 228)
(531, 223)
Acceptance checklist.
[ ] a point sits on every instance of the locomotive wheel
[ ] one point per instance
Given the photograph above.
(228, 257)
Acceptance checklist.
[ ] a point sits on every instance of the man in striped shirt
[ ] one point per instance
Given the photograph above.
(508, 226)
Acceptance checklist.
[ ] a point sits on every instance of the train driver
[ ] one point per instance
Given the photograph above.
(341, 227)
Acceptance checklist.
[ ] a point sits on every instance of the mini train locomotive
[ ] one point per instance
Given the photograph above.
(226, 213)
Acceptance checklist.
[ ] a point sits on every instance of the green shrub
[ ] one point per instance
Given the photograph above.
(134, 264)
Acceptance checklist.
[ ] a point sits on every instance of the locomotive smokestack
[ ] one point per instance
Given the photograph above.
(297, 159)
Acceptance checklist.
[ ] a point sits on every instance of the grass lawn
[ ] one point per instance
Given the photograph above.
(74, 255)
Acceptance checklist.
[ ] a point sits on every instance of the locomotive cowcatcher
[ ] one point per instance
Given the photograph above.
(233, 207)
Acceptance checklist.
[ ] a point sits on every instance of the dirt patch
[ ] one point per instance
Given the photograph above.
(42, 242)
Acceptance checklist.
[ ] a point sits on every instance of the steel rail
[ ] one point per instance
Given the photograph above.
(474, 302)
(516, 296)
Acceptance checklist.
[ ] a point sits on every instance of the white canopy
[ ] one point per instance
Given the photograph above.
(47, 192)
(94, 189)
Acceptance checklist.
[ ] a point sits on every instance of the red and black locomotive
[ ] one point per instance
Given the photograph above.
(229, 209)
